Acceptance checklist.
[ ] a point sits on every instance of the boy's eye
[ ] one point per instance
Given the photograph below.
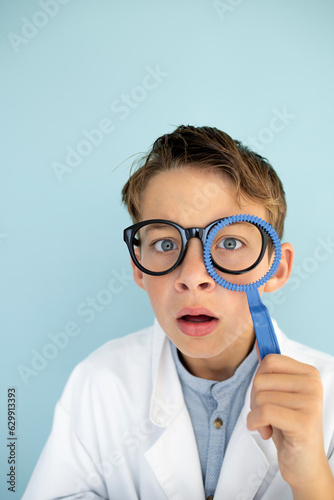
(165, 245)
(230, 244)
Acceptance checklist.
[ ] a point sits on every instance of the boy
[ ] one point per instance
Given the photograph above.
(184, 410)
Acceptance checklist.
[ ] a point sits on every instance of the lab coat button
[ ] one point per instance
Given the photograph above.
(218, 423)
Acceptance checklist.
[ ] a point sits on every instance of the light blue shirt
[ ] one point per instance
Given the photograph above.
(214, 408)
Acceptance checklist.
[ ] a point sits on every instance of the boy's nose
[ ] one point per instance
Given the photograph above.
(193, 275)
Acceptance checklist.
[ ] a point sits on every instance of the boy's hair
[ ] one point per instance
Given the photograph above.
(210, 148)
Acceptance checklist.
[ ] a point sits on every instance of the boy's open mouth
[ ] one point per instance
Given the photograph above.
(196, 322)
(200, 318)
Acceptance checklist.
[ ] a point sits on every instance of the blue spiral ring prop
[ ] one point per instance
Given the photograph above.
(257, 222)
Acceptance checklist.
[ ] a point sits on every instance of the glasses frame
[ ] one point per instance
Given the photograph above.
(186, 234)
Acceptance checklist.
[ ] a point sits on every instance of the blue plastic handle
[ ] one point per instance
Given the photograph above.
(263, 326)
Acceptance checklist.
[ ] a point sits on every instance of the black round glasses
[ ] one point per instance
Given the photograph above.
(158, 246)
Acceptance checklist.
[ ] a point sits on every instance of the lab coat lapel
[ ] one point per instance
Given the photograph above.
(244, 468)
(177, 472)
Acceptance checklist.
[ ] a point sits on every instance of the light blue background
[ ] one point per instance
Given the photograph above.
(233, 67)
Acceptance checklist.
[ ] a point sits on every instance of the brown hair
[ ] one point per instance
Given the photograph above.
(208, 147)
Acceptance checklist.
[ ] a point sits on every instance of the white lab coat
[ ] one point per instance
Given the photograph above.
(122, 431)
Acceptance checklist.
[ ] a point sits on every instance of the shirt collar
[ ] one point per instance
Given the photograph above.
(213, 387)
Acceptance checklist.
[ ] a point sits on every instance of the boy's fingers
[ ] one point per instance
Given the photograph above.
(286, 383)
(278, 363)
(293, 401)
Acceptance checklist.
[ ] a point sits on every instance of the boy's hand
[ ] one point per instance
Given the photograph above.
(286, 404)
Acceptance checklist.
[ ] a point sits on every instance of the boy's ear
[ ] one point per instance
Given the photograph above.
(138, 275)
(284, 269)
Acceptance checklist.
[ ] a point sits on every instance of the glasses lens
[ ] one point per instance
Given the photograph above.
(236, 248)
(157, 246)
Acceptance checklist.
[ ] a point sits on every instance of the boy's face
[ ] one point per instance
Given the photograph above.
(192, 197)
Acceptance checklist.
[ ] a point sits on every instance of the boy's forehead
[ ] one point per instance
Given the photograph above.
(193, 197)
